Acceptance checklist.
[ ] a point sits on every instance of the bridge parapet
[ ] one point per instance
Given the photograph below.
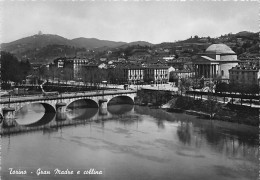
(50, 103)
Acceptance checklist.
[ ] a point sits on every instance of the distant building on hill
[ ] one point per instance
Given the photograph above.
(169, 58)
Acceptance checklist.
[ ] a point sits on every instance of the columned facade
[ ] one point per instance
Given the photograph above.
(152, 73)
(215, 62)
(206, 70)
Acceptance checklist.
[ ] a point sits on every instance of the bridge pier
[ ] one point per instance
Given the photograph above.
(8, 114)
(61, 111)
(102, 106)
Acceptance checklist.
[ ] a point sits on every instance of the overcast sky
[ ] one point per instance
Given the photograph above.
(155, 22)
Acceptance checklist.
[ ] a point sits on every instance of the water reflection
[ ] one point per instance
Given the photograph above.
(157, 113)
(120, 109)
(82, 109)
(82, 113)
(122, 113)
(138, 143)
(184, 132)
(30, 114)
(47, 117)
(232, 140)
(127, 119)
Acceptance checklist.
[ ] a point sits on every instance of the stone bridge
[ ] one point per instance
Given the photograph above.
(58, 103)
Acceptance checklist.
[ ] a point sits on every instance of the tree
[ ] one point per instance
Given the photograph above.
(67, 74)
(10, 68)
(43, 73)
(116, 75)
(211, 103)
(221, 87)
(53, 72)
(202, 82)
(94, 76)
(186, 83)
(25, 67)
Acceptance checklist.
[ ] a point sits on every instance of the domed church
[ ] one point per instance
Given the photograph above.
(215, 62)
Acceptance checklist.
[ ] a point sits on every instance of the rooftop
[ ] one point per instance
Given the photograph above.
(244, 68)
(219, 49)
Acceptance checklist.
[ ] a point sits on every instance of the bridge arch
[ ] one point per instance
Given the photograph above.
(121, 99)
(48, 114)
(81, 109)
(47, 117)
(49, 108)
(82, 102)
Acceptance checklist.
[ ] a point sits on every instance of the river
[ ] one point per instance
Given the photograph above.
(127, 142)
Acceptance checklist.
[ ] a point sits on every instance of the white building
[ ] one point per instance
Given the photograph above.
(134, 74)
(77, 66)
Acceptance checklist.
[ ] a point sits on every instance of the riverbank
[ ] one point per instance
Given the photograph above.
(223, 125)
(206, 108)
(210, 109)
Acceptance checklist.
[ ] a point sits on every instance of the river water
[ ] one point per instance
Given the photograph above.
(127, 142)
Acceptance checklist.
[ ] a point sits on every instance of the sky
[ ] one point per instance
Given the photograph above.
(127, 21)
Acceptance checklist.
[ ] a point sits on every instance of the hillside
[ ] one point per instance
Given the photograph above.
(45, 47)
(136, 43)
(34, 42)
(244, 43)
(50, 52)
(91, 43)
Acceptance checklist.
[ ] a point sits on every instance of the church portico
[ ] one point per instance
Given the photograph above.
(207, 70)
(215, 62)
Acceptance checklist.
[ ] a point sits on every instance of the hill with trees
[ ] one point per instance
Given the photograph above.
(91, 43)
(42, 48)
(46, 47)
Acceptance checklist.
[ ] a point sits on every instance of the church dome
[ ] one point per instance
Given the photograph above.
(219, 49)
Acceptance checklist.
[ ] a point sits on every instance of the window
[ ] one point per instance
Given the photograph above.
(222, 73)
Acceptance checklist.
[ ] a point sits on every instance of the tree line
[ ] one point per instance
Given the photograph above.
(13, 70)
(237, 88)
(92, 76)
